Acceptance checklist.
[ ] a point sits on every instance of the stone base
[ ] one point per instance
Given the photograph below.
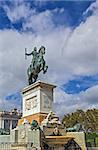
(39, 117)
(79, 137)
(19, 146)
(22, 146)
(57, 142)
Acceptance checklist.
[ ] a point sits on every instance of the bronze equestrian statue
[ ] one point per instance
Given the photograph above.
(37, 65)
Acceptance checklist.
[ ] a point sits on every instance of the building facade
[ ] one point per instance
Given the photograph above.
(9, 120)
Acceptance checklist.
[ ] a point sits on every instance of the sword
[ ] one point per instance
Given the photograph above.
(25, 53)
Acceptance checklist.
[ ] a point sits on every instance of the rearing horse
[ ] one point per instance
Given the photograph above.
(39, 66)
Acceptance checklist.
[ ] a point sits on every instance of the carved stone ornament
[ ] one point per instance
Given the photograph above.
(51, 119)
(22, 134)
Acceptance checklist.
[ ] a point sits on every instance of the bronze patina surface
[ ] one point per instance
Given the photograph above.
(37, 65)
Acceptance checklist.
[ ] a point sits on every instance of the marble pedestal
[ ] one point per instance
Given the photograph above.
(37, 101)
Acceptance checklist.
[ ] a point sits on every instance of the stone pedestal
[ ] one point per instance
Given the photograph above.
(37, 101)
(46, 131)
(23, 137)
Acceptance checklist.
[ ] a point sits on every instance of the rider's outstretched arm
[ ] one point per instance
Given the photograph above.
(28, 54)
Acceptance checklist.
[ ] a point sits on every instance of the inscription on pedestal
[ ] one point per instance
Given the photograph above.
(47, 102)
(37, 98)
(31, 103)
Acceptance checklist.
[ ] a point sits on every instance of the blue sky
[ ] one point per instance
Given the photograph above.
(71, 10)
(80, 83)
(68, 29)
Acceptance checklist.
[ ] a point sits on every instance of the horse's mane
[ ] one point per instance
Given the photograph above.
(42, 47)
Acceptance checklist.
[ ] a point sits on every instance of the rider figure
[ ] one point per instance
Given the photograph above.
(34, 58)
(37, 64)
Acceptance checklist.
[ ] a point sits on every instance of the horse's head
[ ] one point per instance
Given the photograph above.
(42, 50)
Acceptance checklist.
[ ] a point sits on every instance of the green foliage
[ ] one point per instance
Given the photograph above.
(96, 141)
(88, 119)
(4, 131)
(91, 135)
(92, 139)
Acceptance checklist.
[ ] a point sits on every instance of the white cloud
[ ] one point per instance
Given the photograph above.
(82, 48)
(18, 10)
(93, 8)
(39, 22)
(32, 19)
(66, 103)
(9, 105)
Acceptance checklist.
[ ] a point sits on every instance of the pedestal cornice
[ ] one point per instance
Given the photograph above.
(37, 84)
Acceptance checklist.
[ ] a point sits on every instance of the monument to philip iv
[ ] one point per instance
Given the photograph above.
(37, 65)
(46, 131)
(38, 96)
(40, 128)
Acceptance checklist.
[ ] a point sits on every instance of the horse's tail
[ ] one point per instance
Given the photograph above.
(45, 69)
